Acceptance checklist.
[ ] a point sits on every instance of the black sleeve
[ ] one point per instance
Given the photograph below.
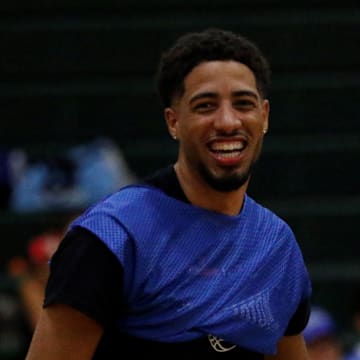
(87, 276)
(300, 319)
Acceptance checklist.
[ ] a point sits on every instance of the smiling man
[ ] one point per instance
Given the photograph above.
(220, 121)
(185, 262)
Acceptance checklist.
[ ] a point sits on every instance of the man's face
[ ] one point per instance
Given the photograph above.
(220, 122)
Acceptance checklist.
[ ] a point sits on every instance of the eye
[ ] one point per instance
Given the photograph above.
(204, 106)
(244, 104)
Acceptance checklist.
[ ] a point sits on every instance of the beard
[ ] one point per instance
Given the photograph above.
(224, 183)
(231, 182)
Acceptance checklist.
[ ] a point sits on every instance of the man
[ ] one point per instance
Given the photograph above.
(186, 262)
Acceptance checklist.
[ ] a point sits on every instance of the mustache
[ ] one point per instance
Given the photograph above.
(235, 134)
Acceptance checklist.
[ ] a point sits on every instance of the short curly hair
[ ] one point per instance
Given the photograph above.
(211, 44)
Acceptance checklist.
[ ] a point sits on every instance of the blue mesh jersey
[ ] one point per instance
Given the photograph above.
(189, 272)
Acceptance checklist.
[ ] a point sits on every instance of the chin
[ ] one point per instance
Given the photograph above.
(226, 183)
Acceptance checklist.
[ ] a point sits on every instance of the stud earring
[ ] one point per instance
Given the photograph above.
(265, 131)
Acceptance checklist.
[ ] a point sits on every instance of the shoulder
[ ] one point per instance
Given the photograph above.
(119, 217)
(129, 196)
(269, 220)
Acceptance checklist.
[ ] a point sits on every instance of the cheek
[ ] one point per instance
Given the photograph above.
(193, 126)
(257, 123)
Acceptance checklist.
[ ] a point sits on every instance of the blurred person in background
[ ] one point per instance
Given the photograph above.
(30, 273)
(322, 337)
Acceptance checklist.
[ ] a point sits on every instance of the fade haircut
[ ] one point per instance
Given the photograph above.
(211, 44)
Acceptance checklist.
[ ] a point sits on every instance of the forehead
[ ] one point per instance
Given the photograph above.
(219, 76)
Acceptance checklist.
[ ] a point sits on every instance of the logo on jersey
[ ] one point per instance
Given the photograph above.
(220, 345)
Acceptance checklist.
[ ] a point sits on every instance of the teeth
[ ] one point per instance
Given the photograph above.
(227, 146)
(230, 155)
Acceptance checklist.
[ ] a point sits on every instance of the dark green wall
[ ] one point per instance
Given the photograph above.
(72, 70)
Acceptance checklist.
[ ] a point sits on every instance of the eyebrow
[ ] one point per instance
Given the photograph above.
(210, 94)
(246, 93)
(201, 95)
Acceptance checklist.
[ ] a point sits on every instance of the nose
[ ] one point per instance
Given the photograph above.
(227, 119)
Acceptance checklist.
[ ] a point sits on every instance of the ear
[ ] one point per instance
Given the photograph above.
(171, 121)
(265, 115)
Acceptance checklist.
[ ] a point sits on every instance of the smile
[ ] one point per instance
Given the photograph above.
(227, 150)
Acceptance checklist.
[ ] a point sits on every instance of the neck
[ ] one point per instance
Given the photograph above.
(199, 193)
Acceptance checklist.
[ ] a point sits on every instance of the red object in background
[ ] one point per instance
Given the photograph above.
(43, 246)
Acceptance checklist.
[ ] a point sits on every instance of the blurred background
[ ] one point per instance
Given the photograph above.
(80, 117)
